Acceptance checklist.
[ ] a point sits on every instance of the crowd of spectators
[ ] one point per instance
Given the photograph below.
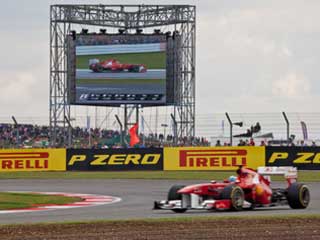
(251, 142)
(34, 136)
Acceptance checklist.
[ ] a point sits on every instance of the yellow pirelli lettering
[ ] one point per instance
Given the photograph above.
(99, 160)
(77, 158)
(317, 158)
(133, 158)
(278, 156)
(117, 159)
(150, 159)
(304, 158)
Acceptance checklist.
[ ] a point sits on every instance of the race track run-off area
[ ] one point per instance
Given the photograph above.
(87, 200)
(136, 196)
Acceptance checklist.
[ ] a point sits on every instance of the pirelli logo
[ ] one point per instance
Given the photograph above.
(213, 158)
(24, 160)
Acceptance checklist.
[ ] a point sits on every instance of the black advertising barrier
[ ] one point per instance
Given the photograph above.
(304, 158)
(115, 159)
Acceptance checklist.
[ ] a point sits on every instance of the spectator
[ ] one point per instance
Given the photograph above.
(218, 143)
(251, 143)
(241, 143)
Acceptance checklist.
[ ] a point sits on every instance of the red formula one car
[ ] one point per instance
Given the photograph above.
(114, 65)
(250, 189)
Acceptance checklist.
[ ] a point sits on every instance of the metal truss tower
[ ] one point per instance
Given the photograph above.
(65, 18)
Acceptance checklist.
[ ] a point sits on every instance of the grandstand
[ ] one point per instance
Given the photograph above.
(156, 130)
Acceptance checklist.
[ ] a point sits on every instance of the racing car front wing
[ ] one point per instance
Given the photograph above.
(194, 201)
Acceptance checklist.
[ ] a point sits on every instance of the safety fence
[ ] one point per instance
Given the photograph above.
(146, 159)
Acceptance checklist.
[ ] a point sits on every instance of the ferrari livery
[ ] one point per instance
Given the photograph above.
(114, 65)
(248, 190)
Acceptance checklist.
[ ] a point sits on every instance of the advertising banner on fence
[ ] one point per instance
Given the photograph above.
(115, 159)
(304, 158)
(14, 160)
(213, 158)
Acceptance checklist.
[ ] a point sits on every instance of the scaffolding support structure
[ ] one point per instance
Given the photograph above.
(66, 18)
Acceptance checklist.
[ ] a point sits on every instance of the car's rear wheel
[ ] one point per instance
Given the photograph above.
(298, 196)
(235, 194)
(174, 195)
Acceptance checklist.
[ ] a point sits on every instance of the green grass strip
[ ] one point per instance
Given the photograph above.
(153, 60)
(28, 200)
(214, 218)
(303, 176)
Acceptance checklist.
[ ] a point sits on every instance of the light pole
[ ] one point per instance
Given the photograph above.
(240, 124)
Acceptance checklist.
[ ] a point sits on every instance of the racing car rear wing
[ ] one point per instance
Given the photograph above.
(290, 173)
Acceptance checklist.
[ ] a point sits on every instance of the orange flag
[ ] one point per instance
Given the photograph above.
(134, 139)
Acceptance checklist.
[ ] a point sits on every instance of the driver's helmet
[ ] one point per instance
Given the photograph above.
(232, 179)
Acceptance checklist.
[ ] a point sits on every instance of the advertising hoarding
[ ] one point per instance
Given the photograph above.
(14, 160)
(115, 159)
(304, 158)
(213, 158)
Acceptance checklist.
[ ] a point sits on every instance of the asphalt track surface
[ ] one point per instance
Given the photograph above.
(134, 88)
(149, 74)
(137, 200)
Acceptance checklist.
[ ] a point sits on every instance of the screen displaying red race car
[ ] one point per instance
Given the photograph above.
(115, 69)
(248, 190)
(114, 65)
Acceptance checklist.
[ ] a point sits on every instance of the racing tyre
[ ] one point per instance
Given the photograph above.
(136, 69)
(235, 194)
(174, 195)
(99, 68)
(298, 196)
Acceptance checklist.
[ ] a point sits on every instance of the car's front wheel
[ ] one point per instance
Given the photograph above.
(235, 194)
(174, 195)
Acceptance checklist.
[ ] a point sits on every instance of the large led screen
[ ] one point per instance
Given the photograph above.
(118, 69)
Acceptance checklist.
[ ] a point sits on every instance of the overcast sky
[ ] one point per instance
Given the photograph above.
(252, 56)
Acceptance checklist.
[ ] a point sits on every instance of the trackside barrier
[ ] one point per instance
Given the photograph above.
(213, 158)
(304, 158)
(184, 158)
(14, 160)
(115, 159)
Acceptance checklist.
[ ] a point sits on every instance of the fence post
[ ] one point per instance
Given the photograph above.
(175, 130)
(288, 126)
(230, 124)
(121, 130)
